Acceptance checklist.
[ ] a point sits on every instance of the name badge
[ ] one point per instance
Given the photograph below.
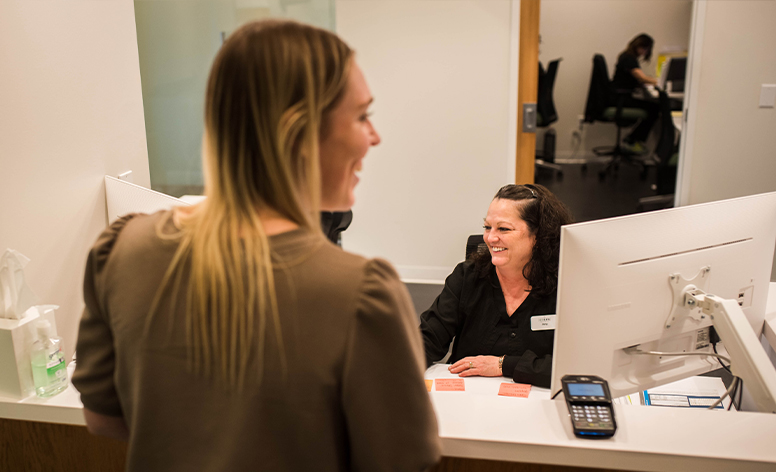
(543, 322)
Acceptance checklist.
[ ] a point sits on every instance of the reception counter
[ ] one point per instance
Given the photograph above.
(50, 434)
(480, 424)
(480, 431)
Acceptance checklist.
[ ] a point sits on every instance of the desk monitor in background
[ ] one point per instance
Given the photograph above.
(123, 197)
(672, 74)
(622, 285)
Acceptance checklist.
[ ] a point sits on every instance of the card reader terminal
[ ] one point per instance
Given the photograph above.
(590, 406)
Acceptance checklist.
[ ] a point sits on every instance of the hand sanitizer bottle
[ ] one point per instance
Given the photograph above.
(48, 362)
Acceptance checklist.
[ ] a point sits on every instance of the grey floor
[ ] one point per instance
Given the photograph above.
(591, 198)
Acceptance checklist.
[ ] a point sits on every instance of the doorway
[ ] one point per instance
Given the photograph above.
(575, 30)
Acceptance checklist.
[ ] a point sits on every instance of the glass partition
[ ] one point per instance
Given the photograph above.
(177, 40)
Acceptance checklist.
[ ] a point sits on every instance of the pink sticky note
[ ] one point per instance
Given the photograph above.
(513, 390)
(429, 384)
(449, 385)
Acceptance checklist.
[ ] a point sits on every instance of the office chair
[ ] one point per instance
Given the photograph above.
(606, 105)
(334, 223)
(545, 116)
(666, 156)
(475, 243)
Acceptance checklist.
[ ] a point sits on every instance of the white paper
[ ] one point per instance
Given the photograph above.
(15, 296)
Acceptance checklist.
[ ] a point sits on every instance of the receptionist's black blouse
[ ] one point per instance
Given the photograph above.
(472, 309)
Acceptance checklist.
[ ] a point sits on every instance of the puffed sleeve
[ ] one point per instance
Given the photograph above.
(390, 420)
(93, 376)
(439, 323)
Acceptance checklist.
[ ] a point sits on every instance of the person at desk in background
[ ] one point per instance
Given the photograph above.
(232, 335)
(629, 77)
(495, 303)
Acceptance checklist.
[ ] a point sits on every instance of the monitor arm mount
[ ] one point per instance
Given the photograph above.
(748, 359)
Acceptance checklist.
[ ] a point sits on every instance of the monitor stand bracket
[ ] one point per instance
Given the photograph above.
(748, 358)
(680, 286)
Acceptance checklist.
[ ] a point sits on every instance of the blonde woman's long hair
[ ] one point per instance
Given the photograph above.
(270, 87)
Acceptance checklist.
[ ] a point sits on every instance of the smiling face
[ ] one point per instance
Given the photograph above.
(348, 135)
(507, 236)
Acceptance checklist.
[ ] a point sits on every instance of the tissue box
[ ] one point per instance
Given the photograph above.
(16, 338)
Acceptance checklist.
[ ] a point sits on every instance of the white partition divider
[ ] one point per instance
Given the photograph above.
(124, 197)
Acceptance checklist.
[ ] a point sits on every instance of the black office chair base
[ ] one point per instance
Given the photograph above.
(620, 155)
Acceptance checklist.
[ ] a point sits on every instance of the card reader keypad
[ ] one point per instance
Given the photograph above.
(591, 417)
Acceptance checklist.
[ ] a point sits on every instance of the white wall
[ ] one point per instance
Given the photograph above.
(440, 74)
(576, 30)
(70, 112)
(732, 151)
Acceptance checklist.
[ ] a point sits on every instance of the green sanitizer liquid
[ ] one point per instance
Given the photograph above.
(49, 372)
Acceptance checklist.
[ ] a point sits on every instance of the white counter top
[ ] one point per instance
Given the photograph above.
(64, 408)
(479, 424)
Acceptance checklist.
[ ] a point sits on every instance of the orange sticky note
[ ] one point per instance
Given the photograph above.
(513, 390)
(449, 385)
(429, 383)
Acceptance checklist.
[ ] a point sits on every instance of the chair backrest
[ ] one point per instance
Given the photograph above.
(600, 91)
(334, 223)
(475, 243)
(545, 104)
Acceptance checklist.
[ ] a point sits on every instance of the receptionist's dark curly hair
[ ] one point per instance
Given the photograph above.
(544, 214)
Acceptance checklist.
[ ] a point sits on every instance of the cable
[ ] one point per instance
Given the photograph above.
(727, 393)
(556, 394)
(737, 388)
(733, 395)
(727, 368)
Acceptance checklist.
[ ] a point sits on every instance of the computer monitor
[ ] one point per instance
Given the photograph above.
(620, 279)
(672, 74)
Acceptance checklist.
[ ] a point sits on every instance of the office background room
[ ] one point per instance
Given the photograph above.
(606, 26)
(73, 112)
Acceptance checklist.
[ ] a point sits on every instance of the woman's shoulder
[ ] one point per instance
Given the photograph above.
(125, 233)
(476, 268)
(627, 60)
(331, 265)
(372, 269)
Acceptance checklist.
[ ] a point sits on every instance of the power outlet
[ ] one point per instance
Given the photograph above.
(745, 296)
(767, 95)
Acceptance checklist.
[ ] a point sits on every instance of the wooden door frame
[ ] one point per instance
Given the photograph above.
(527, 85)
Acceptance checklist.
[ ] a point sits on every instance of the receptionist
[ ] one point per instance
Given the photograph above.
(499, 305)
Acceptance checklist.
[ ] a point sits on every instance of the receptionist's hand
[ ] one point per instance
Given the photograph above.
(484, 366)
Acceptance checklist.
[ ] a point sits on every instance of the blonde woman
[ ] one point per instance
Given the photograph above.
(232, 335)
